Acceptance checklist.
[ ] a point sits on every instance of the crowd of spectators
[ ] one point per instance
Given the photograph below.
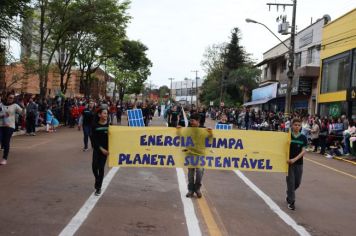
(329, 136)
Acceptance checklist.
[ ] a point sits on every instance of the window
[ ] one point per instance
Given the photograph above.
(298, 59)
(284, 65)
(265, 73)
(178, 92)
(336, 73)
(353, 78)
(310, 55)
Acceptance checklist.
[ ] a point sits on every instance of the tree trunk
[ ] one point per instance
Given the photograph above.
(2, 68)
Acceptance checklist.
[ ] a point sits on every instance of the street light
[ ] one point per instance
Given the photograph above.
(290, 72)
(248, 20)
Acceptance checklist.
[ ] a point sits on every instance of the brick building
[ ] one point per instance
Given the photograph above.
(18, 80)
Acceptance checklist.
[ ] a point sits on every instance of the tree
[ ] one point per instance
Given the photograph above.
(102, 38)
(9, 27)
(9, 10)
(235, 55)
(130, 67)
(230, 71)
(53, 17)
(163, 91)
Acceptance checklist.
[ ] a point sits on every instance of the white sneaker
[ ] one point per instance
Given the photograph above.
(3, 162)
(328, 156)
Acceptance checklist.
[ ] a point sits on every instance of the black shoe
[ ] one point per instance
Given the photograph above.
(98, 192)
(190, 194)
(199, 194)
(291, 206)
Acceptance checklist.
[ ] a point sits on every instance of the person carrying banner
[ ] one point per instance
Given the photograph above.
(100, 151)
(298, 146)
(198, 134)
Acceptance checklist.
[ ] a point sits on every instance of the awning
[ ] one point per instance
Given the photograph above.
(262, 101)
(268, 59)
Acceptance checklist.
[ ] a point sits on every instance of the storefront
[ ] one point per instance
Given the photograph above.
(262, 97)
(301, 95)
(338, 71)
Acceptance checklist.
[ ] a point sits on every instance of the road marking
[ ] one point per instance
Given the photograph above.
(331, 168)
(88, 206)
(284, 216)
(189, 212)
(208, 217)
(345, 160)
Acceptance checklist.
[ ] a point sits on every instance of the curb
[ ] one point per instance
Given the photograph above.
(345, 160)
(23, 132)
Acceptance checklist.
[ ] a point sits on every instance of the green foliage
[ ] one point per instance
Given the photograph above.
(163, 90)
(230, 74)
(235, 55)
(9, 10)
(130, 67)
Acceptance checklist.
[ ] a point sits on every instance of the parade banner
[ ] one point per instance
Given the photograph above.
(164, 147)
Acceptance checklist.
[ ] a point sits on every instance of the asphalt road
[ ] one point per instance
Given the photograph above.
(48, 179)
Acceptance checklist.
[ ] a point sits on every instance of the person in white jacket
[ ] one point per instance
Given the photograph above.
(7, 124)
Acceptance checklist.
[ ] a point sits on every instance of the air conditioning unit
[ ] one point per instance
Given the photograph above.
(283, 28)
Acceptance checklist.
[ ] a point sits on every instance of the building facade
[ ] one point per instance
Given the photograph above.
(337, 87)
(184, 91)
(22, 82)
(306, 71)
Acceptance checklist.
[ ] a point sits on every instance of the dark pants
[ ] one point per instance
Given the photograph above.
(5, 136)
(30, 125)
(87, 135)
(347, 148)
(195, 185)
(322, 142)
(98, 167)
(315, 142)
(294, 180)
(118, 117)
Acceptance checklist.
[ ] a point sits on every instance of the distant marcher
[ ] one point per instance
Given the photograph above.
(86, 122)
(100, 151)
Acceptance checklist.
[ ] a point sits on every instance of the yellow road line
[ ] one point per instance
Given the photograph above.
(208, 217)
(343, 159)
(331, 168)
(209, 220)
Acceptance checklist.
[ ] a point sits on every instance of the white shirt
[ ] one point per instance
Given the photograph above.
(10, 111)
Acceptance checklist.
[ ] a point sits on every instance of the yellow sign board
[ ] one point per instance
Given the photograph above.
(198, 147)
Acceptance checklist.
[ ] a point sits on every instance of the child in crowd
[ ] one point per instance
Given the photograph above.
(223, 119)
(295, 170)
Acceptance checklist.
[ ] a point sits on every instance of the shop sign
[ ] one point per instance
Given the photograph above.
(335, 109)
(305, 86)
(282, 90)
(351, 94)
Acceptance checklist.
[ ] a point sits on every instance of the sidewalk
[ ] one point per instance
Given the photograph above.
(23, 132)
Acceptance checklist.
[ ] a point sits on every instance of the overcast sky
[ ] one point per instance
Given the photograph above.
(177, 32)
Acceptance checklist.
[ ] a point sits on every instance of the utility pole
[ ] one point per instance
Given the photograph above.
(170, 91)
(196, 87)
(290, 72)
